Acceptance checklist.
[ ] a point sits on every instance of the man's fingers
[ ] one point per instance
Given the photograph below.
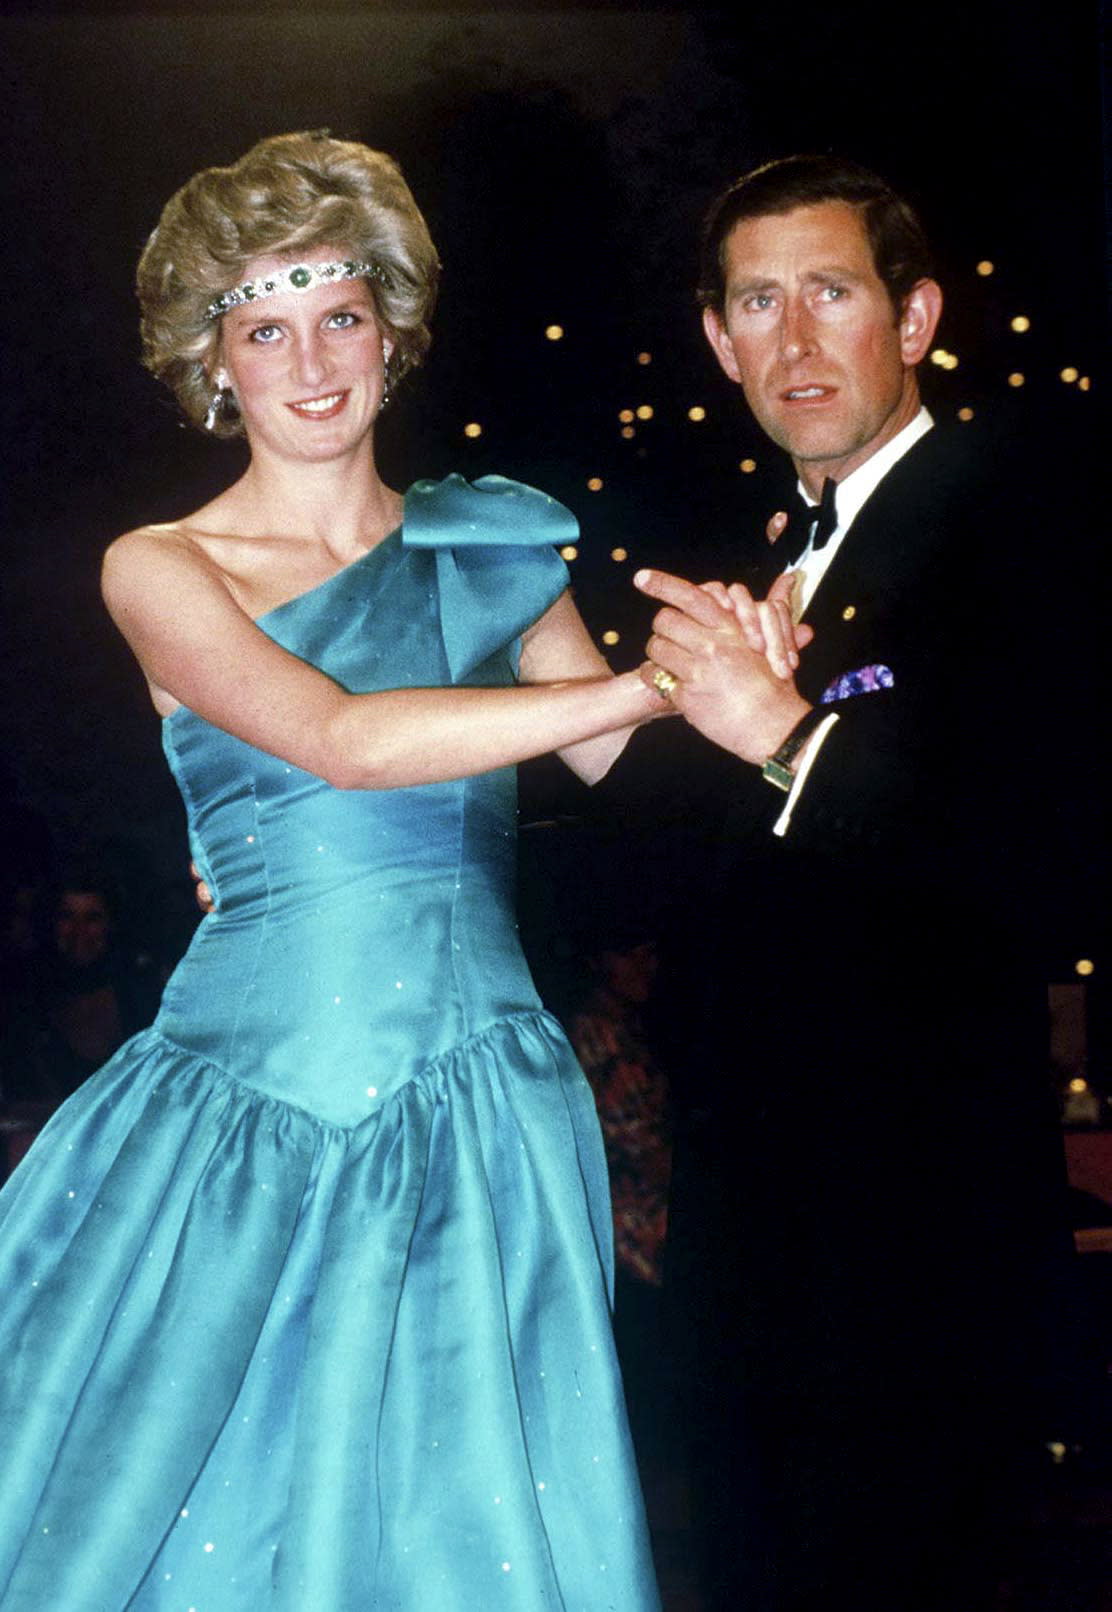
(788, 589)
(681, 595)
(679, 628)
(668, 655)
(201, 891)
(745, 610)
(776, 525)
(718, 593)
(779, 637)
(784, 586)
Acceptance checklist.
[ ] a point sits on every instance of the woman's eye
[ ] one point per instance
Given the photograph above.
(265, 333)
(343, 320)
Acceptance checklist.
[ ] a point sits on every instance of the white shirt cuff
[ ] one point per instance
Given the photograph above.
(818, 739)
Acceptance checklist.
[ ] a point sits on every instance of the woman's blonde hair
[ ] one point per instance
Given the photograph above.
(288, 194)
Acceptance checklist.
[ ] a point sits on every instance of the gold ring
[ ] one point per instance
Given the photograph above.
(664, 682)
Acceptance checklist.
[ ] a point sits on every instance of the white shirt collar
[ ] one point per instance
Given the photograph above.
(857, 486)
(852, 495)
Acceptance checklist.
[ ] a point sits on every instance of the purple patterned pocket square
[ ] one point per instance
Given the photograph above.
(865, 680)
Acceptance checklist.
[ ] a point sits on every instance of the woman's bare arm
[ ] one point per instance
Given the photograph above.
(199, 648)
(558, 647)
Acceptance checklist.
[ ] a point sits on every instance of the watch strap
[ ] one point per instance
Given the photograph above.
(777, 769)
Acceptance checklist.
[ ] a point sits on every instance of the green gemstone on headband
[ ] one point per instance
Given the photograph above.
(299, 278)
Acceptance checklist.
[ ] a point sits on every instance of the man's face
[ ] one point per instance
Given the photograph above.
(809, 333)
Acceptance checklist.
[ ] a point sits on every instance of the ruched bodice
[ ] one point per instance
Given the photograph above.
(306, 1290)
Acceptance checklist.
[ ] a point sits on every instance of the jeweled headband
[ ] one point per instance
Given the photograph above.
(302, 277)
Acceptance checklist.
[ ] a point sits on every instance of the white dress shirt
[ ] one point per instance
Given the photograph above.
(850, 499)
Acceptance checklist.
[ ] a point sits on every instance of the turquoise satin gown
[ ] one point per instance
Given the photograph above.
(305, 1293)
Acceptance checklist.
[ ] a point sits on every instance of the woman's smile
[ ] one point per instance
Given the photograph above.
(320, 408)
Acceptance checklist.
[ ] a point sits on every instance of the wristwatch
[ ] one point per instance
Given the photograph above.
(778, 768)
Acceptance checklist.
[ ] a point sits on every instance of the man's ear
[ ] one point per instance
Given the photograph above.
(922, 310)
(720, 344)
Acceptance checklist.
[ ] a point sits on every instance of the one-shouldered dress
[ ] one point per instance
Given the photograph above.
(305, 1293)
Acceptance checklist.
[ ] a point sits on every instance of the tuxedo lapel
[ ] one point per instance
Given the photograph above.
(916, 511)
(880, 558)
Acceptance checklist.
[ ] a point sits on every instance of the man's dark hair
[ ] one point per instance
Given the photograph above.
(901, 254)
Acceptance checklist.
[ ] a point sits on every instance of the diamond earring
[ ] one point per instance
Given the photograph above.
(387, 380)
(219, 401)
(215, 408)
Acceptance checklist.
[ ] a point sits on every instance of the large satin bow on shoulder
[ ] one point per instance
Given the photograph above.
(497, 568)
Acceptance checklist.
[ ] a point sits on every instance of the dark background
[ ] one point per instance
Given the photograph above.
(563, 155)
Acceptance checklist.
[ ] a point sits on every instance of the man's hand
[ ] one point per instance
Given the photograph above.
(770, 625)
(733, 658)
(201, 890)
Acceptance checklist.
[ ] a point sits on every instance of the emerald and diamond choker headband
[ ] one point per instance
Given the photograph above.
(302, 277)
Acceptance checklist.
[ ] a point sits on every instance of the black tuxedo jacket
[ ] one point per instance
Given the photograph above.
(862, 1000)
(868, 1190)
(936, 581)
(932, 802)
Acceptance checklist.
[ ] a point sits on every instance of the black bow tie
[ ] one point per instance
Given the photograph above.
(811, 523)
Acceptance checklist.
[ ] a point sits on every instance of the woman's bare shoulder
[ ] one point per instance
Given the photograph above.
(158, 552)
(155, 580)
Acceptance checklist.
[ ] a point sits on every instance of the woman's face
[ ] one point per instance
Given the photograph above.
(306, 367)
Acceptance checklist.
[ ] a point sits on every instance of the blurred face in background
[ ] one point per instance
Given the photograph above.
(82, 926)
(630, 974)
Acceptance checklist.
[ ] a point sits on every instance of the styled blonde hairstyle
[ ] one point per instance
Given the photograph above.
(288, 194)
